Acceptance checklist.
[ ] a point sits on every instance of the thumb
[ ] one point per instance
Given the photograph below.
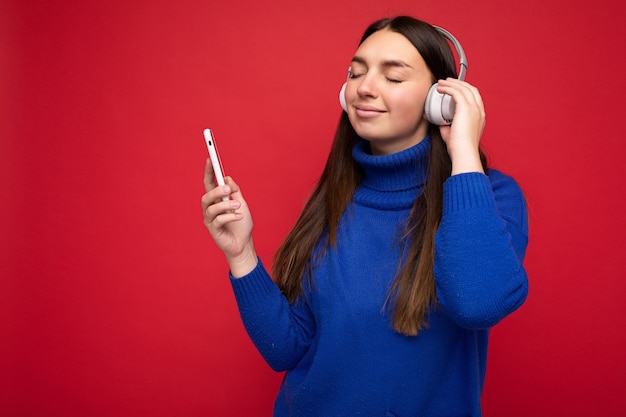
(235, 189)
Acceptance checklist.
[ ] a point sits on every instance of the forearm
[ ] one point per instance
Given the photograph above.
(478, 256)
(280, 331)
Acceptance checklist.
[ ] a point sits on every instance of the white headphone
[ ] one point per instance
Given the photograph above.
(439, 108)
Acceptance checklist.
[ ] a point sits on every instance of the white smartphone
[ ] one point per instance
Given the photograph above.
(215, 158)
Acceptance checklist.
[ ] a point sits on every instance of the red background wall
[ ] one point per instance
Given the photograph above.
(113, 300)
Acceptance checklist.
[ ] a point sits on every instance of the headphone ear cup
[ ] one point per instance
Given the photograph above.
(439, 108)
(342, 97)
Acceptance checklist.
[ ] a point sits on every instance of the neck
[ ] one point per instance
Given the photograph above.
(388, 147)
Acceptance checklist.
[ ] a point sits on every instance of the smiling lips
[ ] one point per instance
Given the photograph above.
(367, 111)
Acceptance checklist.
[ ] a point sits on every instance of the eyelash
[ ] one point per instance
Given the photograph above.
(391, 80)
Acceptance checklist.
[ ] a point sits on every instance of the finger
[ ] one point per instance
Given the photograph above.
(215, 195)
(461, 90)
(236, 193)
(466, 97)
(457, 89)
(478, 99)
(219, 214)
(209, 199)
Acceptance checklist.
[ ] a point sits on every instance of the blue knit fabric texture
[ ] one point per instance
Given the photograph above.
(337, 345)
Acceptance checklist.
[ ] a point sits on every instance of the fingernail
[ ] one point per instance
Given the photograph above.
(226, 190)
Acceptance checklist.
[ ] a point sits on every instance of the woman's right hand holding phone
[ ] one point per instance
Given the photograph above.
(229, 222)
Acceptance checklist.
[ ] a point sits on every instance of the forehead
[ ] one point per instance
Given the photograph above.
(386, 45)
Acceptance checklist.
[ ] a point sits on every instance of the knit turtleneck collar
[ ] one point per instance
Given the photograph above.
(391, 181)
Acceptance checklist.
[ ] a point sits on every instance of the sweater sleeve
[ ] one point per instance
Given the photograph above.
(280, 331)
(479, 249)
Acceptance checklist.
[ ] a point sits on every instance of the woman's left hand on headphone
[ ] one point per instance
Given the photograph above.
(463, 136)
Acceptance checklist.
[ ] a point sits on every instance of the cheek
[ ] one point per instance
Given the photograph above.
(350, 92)
(409, 105)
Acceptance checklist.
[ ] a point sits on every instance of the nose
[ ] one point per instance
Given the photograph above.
(367, 86)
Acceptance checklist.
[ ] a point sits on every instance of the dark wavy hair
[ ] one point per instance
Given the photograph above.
(412, 293)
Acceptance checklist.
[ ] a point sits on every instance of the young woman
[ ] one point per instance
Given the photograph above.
(407, 252)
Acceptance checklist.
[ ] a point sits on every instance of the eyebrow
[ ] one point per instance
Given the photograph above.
(386, 63)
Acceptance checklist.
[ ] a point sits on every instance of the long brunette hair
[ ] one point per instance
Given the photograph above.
(412, 292)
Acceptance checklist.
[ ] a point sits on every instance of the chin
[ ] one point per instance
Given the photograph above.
(369, 134)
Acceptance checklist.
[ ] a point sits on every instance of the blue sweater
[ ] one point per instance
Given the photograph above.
(337, 345)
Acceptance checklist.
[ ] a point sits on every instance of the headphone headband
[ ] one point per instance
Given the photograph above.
(459, 51)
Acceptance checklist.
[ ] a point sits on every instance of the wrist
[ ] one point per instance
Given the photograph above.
(242, 264)
(466, 160)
